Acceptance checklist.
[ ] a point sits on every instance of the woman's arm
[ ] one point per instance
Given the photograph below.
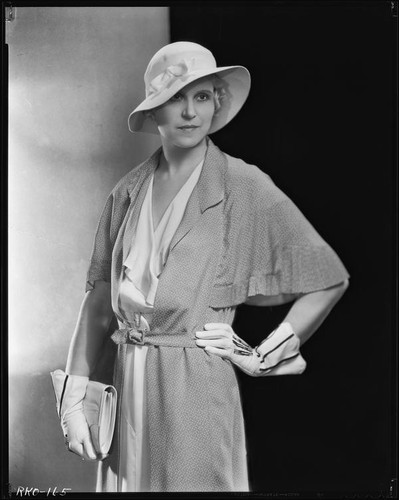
(93, 322)
(279, 353)
(310, 310)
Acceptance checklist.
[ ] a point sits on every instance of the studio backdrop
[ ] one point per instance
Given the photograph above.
(319, 120)
(74, 75)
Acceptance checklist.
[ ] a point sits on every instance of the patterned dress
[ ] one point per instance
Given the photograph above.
(239, 236)
(143, 266)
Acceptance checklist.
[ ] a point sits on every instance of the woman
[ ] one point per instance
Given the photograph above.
(185, 238)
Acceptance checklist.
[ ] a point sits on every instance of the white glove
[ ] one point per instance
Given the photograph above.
(69, 392)
(278, 354)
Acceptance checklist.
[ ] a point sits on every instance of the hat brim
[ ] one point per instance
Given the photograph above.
(237, 84)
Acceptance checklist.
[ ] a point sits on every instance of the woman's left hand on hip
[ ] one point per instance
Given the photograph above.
(220, 339)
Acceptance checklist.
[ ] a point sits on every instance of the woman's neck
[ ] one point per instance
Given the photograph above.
(177, 160)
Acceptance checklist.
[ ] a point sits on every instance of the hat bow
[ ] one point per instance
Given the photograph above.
(168, 77)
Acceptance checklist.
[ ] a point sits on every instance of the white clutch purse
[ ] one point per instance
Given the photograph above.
(99, 407)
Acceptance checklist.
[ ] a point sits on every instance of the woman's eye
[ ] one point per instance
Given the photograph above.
(176, 97)
(203, 97)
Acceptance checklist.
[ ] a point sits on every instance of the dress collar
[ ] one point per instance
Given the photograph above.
(211, 183)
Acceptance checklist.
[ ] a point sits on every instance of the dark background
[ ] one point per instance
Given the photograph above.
(320, 120)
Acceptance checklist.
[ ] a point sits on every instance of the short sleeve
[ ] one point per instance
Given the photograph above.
(300, 260)
(270, 248)
(101, 258)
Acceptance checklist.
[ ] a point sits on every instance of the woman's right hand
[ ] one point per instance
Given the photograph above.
(78, 435)
(69, 392)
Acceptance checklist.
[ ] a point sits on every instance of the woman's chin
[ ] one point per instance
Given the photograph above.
(187, 142)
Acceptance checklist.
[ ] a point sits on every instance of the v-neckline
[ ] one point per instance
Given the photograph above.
(153, 228)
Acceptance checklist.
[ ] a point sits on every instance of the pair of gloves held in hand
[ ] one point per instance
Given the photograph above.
(278, 354)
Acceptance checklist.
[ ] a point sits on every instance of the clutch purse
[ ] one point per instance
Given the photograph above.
(99, 407)
(98, 404)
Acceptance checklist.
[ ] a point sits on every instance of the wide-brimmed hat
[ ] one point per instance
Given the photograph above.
(176, 65)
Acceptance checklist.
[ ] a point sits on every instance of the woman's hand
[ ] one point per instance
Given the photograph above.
(78, 435)
(69, 392)
(277, 354)
(220, 339)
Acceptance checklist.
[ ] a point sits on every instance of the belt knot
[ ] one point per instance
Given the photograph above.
(129, 336)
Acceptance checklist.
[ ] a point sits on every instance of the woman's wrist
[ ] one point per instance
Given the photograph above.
(69, 391)
(280, 348)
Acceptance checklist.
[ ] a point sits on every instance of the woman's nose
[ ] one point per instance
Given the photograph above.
(189, 109)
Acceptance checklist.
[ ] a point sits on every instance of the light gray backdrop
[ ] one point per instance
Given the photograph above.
(75, 73)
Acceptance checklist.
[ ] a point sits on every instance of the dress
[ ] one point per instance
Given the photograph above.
(143, 266)
(239, 236)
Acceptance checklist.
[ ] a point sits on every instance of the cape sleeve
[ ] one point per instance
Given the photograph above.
(101, 257)
(106, 234)
(111, 220)
(299, 260)
(272, 248)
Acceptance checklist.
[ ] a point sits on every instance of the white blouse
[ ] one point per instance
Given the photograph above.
(146, 259)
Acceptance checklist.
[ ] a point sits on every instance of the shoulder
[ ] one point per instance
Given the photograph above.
(248, 181)
(125, 185)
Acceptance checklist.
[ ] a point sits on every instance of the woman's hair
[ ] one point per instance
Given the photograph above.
(220, 93)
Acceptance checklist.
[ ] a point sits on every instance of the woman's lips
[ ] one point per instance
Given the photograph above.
(188, 127)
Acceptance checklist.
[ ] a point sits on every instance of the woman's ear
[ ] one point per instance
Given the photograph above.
(149, 114)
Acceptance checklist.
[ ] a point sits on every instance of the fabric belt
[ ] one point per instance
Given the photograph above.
(139, 334)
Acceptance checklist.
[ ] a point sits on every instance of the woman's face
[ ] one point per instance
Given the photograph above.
(184, 121)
